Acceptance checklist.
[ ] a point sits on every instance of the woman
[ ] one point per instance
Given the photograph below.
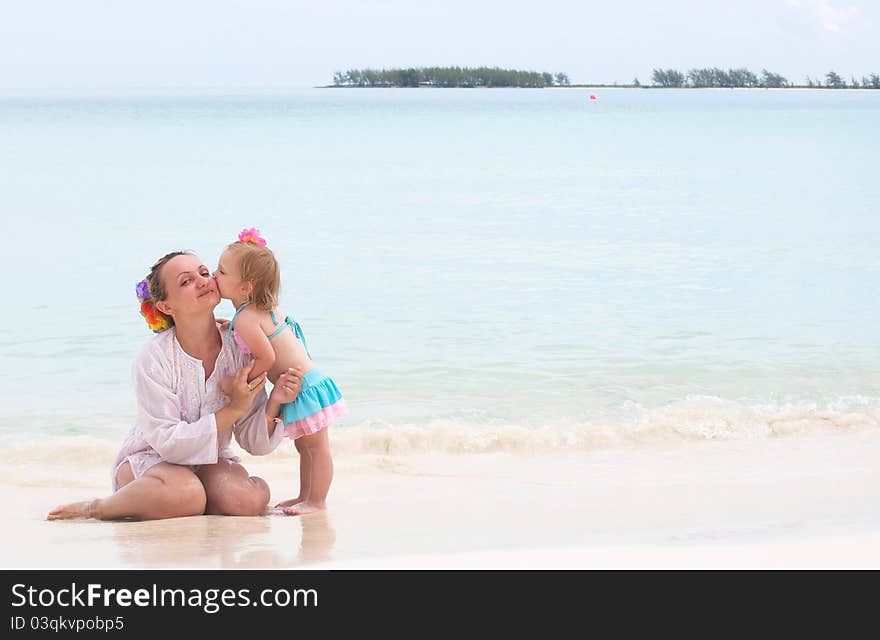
(193, 395)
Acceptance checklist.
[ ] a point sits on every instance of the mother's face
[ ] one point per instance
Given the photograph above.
(190, 289)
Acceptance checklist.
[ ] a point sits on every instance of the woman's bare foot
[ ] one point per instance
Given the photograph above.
(290, 503)
(304, 508)
(73, 510)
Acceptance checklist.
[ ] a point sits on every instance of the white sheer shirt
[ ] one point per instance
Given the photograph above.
(176, 405)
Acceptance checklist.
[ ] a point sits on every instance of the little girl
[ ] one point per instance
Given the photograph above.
(248, 275)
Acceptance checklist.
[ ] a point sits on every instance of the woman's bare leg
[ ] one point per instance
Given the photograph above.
(231, 492)
(164, 491)
(305, 475)
(317, 447)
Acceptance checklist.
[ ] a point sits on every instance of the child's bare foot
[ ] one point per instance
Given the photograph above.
(304, 508)
(72, 510)
(290, 503)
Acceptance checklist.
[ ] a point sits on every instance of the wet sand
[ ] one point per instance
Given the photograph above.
(798, 502)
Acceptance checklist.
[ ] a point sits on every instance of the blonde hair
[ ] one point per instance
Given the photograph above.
(258, 265)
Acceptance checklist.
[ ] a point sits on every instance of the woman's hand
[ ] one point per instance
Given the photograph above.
(287, 386)
(240, 393)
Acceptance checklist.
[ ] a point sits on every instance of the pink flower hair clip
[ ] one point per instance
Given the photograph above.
(251, 235)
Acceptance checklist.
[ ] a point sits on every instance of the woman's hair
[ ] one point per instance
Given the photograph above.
(155, 284)
(257, 265)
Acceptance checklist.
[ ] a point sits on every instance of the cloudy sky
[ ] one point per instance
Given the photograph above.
(293, 43)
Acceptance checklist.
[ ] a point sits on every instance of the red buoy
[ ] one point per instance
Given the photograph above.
(592, 96)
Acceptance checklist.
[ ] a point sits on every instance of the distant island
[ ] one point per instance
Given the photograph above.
(448, 77)
(730, 78)
(467, 77)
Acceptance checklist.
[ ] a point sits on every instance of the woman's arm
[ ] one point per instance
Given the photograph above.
(159, 414)
(258, 432)
(241, 395)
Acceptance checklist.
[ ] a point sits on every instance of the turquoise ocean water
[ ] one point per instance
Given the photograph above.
(476, 268)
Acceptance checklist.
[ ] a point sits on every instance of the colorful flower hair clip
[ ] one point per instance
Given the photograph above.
(156, 320)
(251, 235)
(142, 289)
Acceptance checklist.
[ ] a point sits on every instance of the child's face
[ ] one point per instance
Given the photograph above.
(228, 276)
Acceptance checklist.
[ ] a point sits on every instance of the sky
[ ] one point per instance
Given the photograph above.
(48, 44)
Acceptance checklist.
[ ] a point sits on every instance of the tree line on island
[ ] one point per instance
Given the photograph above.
(495, 77)
(714, 77)
(448, 77)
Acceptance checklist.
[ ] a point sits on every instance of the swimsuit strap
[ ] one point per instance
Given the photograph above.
(232, 322)
(275, 322)
(298, 332)
(294, 326)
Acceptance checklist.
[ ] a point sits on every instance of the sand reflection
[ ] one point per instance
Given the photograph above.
(317, 539)
(272, 541)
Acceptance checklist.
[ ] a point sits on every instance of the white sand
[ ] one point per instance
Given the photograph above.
(816, 552)
(799, 502)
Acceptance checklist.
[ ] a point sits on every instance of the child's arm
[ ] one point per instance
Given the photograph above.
(247, 326)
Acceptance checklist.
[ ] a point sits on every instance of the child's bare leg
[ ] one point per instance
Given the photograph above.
(164, 491)
(305, 475)
(318, 448)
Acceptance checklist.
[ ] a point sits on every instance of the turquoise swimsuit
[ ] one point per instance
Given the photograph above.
(288, 322)
(319, 401)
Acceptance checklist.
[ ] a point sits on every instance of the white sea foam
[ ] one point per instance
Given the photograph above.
(73, 459)
(694, 419)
